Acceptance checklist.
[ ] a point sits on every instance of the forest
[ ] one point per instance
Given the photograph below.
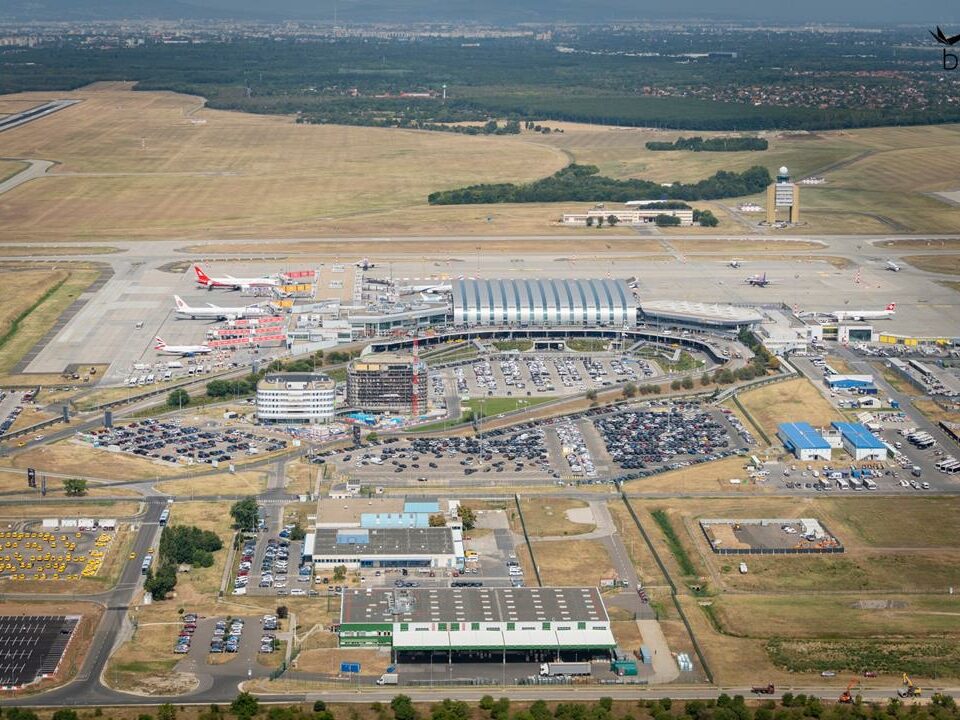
(583, 183)
(717, 144)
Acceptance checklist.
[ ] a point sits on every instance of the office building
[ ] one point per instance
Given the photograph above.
(295, 398)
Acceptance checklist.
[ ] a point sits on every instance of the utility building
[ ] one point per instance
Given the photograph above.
(387, 382)
(558, 302)
(803, 441)
(479, 624)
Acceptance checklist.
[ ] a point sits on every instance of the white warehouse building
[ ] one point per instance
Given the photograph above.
(544, 302)
(295, 398)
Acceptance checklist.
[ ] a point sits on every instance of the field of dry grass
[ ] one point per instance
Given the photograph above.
(26, 288)
(9, 168)
(236, 174)
(945, 263)
(239, 483)
(561, 561)
(81, 459)
(790, 401)
(544, 518)
(42, 317)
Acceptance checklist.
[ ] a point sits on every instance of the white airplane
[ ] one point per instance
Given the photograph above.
(185, 350)
(893, 267)
(758, 280)
(229, 281)
(887, 312)
(215, 312)
(734, 264)
(364, 264)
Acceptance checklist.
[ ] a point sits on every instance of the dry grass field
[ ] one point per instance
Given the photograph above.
(28, 290)
(545, 518)
(84, 460)
(790, 401)
(944, 263)
(135, 165)
(9, 168)
(251, 482)
(41, 250)
(234, 175)
(586, 560)
(922, 244)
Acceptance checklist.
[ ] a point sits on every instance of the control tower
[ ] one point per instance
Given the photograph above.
(783, 194)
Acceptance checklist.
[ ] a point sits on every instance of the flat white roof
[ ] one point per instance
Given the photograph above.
(703, 312)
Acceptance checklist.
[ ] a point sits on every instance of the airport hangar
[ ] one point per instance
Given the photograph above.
(529, 624)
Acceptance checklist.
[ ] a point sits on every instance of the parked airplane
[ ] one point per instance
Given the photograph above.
(758, 280)
(228, 281)
(887, 312)
(215, 312)
(364, 264)
(892, 266)
(185, 350)
(734, 264)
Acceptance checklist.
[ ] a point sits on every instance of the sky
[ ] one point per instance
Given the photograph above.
(859, 12)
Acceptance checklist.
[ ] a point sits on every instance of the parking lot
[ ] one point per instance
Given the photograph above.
(174, 443)
(545, 374)
(32, 646)
(241, 636)
(666, 436)
(270, 562)
(35, 554)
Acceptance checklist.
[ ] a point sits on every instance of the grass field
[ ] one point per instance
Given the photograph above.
(586, 560)
(41, 250)
(250, 482)
(27, 287)
(544, 518)
(789, 401)
(236, 174)
(9, 168)
(944, 263)
(922, 244)
(84, 460)
(31, 322)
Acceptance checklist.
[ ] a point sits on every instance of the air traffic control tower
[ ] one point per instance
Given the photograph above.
(783, 194)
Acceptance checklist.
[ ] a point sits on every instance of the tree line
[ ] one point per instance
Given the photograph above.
(718, 144)
(180, 544)
(584, 183)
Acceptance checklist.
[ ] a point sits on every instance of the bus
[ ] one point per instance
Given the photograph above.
(145, 566)
(164, 516)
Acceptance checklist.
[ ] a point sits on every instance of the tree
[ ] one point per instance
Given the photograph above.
(630, 390)
(600, 221)
(339, 573)
(245, 706)
(687, 383)
(282, 612)
(75, 487)
(438, 520)
(591, 395)
(178, 398)
(612, 220)
(319, 706)
(468, 517)
(244, 514)
(705, 379)
(372, 437)
(166, 712)
(161, 584)
(65, 714)
(664, 220)
(589, 222)
(403, 708)
(675, 385)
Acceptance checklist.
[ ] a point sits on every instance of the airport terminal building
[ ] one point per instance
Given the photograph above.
(543, 302)
(478, 624)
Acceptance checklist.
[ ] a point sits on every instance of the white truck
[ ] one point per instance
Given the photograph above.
(564, 668)
(388, 679)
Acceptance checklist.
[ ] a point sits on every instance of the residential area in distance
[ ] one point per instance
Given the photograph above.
(394, 370)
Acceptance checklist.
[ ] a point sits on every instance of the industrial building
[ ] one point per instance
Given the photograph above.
(849, 382)
(300, 398)
(699, 315)
(803, 441)
(387, 382)
(859, 442)
(479, 624)
(386, 547)
(631, 216)
(543, 302)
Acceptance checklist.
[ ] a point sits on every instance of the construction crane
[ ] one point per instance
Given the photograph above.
(845, 697)
(908, 690)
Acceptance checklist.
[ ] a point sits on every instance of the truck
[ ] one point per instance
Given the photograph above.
(916, 471)
(388, 679)
(564, 668)
(763, 689)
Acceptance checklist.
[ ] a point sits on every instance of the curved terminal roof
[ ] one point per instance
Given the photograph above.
(543, 301)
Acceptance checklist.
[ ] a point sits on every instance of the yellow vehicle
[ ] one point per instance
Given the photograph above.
(133, 555)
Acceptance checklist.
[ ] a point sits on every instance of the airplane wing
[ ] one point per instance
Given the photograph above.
(952, 40)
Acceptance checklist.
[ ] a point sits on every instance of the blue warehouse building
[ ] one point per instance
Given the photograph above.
(803, 441)
(860, 442)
